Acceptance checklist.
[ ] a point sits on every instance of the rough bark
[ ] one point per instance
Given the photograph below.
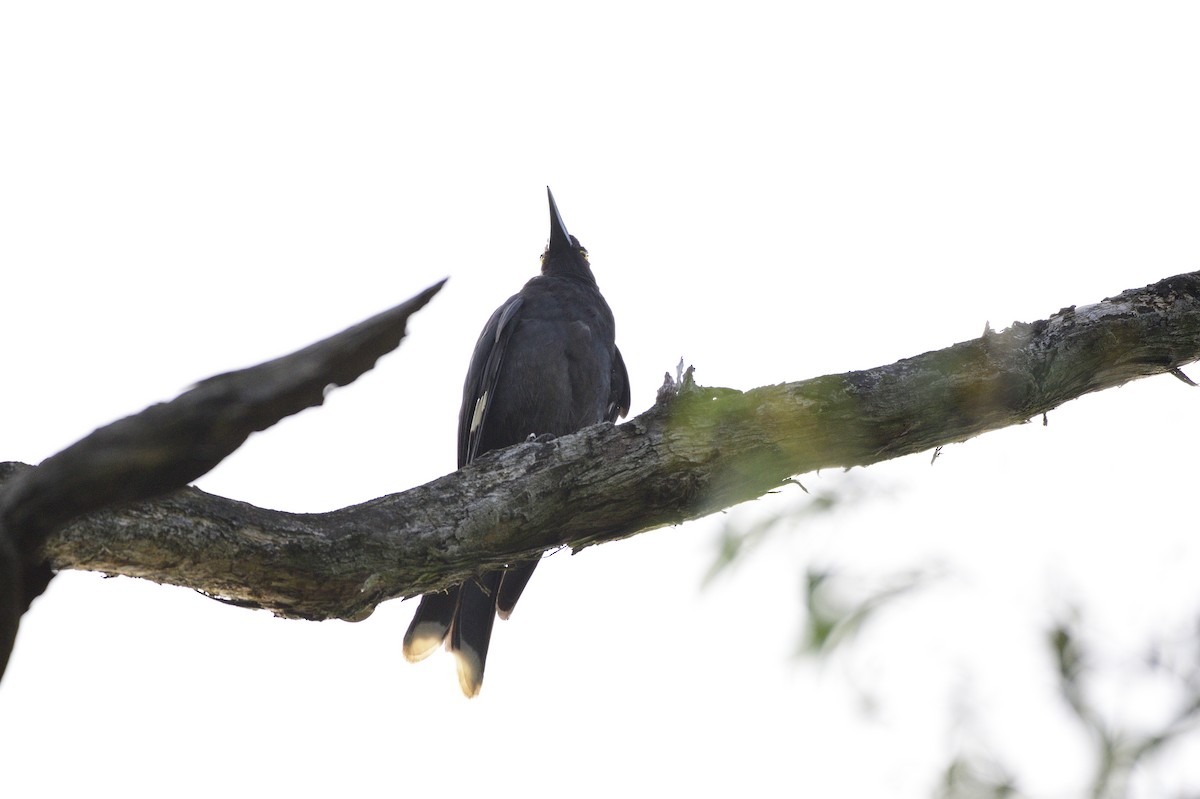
(696, 451)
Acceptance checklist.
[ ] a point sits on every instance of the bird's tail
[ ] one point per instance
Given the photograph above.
(511, 586)
(462, 617)
(471, 632)
(431, 623)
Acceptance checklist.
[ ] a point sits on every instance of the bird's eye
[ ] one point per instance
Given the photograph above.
(583, 252)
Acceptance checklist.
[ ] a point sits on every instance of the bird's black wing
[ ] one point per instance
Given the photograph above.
(618, 392)
(480, 385)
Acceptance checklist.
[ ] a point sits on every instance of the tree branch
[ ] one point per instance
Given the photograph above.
(696, 451)
(169, 444)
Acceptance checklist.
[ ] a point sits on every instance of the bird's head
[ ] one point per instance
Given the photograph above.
(564, 254)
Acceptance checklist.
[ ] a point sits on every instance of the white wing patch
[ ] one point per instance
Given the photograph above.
(480, 406)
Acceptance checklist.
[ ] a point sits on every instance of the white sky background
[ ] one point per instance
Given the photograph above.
(777, 193)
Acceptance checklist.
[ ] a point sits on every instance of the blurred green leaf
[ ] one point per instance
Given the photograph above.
(838, 606)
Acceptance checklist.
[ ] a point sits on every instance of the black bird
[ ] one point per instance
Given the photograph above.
(545, 363)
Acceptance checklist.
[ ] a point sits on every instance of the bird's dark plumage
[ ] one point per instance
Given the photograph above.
(546, 362)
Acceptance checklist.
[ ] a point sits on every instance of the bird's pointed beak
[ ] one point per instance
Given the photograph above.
(560, 239)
